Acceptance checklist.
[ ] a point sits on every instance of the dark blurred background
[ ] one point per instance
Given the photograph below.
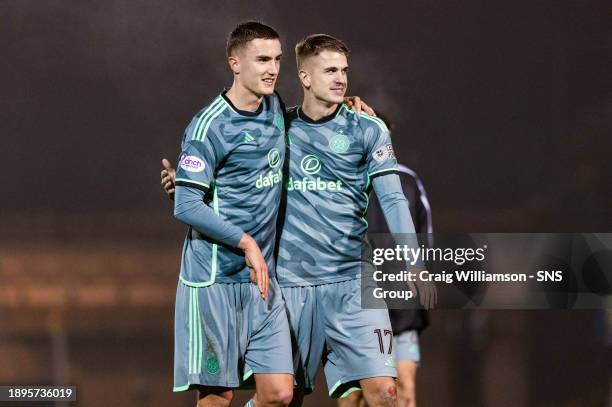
(503, 108)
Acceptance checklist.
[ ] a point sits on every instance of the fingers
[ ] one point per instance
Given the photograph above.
(429, 298)
(252, 271)
(259, 274)
(413, 289)
(267, 282)
(257, 265)
(366, 108)
(422, 301)
(260, 282)
(169, 187)
(263, 280)
(167, 165)
(435, 295)
(357, 105)
(163, 176)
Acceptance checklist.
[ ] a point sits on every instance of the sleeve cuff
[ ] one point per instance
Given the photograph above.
(235, 237)
(378, 173)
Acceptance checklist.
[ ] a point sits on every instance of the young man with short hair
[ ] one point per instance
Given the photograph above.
(335, 158)
(226, 328)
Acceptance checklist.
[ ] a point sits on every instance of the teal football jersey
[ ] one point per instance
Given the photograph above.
(331, 164)
(235, 157)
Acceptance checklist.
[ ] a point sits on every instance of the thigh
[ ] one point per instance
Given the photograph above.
(207, 343)
(407, 346)
(269, 342)
(306, 333)
(359, 341)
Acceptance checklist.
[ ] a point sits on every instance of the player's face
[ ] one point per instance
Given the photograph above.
(259, 64)
(328, 74)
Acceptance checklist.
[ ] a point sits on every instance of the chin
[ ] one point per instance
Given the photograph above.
(336, 99)
(265, 90)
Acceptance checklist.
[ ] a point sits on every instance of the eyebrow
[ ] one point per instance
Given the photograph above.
(329, 68)
(268, 57)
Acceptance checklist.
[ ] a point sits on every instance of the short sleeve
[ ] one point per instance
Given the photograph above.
(199, 158)
(378, 148)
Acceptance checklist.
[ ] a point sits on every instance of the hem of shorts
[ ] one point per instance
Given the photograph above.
(217, 280)
(272, 371)
(349, 391)
(189, 386)
(414, 360)
(308, 284)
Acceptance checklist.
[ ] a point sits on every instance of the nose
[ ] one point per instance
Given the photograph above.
(273, 67)
(340, 80)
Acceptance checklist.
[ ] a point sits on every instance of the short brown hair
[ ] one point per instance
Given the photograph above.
(315, 44)
(249, 31)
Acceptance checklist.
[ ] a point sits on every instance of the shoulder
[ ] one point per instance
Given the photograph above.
(207, 120)
(367, 122)
(369, 128)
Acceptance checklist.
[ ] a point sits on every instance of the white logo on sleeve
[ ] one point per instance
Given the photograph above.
(191, 163)
(384, 153)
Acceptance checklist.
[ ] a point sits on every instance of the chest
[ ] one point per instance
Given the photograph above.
(255, 144)
(335, 148)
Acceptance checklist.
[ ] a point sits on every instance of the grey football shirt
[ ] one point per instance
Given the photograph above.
(331, 164)
(235, 157)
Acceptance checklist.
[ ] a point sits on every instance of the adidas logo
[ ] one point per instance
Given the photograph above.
(248, 138)
(390, 362)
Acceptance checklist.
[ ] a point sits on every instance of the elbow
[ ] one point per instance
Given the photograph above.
(180, 215)
(394, 199)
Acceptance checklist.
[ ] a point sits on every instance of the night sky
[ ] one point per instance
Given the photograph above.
(498, 105)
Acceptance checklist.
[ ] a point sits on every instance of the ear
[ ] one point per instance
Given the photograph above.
(234, 64)
(304, 78)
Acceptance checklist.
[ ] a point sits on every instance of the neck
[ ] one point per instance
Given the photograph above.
(242, 98)
(316, 108)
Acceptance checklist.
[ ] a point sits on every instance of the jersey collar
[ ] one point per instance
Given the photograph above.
(243, 112)
(322, 120)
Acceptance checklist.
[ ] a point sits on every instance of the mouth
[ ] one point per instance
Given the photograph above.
(269, 81)
(338, 91)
